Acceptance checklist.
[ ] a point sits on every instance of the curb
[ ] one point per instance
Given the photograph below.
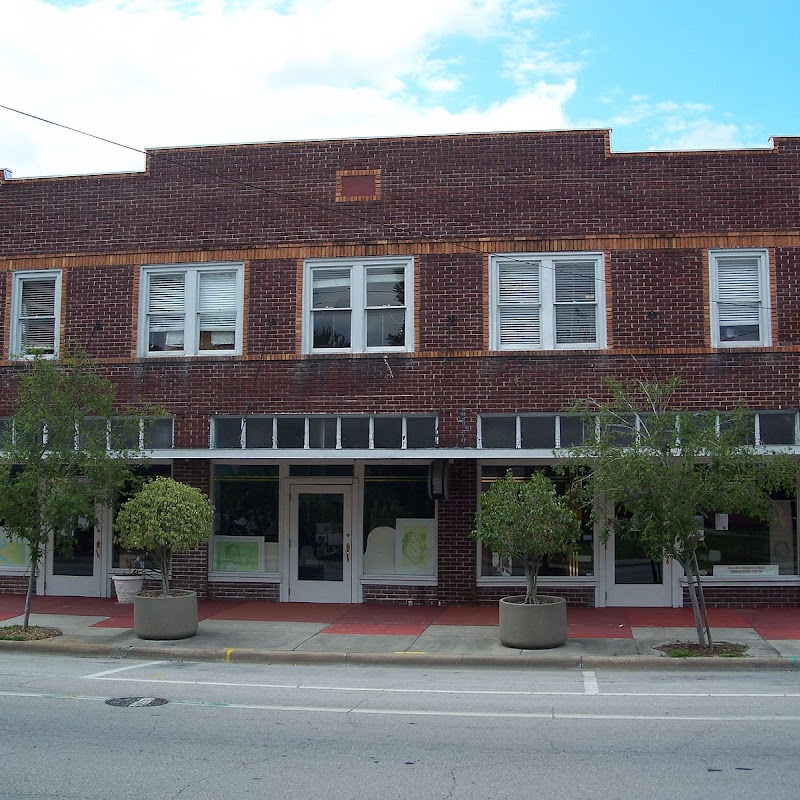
(533, 660)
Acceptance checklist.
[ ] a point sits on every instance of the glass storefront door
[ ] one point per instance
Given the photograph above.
(633, 579)
(320, 544)
(74, 562)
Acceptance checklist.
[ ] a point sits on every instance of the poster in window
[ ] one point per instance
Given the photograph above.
(238, 554)
(12, 552)
(415, 547)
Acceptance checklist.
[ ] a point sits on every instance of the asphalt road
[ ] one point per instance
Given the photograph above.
(242, 731)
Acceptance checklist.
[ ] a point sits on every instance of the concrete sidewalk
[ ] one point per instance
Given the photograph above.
(260, 631)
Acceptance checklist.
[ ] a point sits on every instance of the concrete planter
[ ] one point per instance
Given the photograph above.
(159, 617)
(534, 626)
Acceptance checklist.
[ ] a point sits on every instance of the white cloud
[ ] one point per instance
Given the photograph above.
(152, 73)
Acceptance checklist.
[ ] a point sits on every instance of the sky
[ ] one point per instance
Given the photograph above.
(661, 74)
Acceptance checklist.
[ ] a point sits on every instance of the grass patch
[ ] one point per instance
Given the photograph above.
(16, 633)
(694, 650)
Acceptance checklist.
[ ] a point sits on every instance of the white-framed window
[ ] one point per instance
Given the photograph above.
(36, 303)
(191, 309)
(547, 301)
(740, 308)
(358, 305)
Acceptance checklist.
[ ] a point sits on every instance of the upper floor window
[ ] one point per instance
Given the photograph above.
(191, 309)
(740, 313)
(547, 301)
(358, 306)
(36, 300)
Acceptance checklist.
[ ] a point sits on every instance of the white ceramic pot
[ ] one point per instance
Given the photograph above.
(126, 586)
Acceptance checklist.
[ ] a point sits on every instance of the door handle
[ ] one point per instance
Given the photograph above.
(98, 548)
(347, 551)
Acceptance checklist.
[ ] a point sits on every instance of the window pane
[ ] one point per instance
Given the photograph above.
(331, 288)
(258, 432)
(322, 432)
(574, 281)
(420, 432)
(158, 434)
(738, 545)
(355, 432)
(216, 306)
(399, 527)
(519, 328)
(498, 432)
(227, 432)
(385, 286)
(576, 324)
(386, 328)
(165, 310)
(538, 432)
(571, 428)
(388, 432)
(332, 329)
(777, 428)
(93, 433)
(37, 315)
(291, 432)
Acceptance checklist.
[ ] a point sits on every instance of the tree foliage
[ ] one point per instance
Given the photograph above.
(162, 518)
(652, 471)
(56, 466)
(525, 521)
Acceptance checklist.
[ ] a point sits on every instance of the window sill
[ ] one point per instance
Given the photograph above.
(399, 580)
(244, 577)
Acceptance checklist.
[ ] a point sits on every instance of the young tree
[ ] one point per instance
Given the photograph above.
(65, 451)
(653, 471)
(526, 521)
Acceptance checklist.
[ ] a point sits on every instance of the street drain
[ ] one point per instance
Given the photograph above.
(136, 702)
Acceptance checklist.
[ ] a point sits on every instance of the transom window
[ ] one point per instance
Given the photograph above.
(36, 302)
(325, 433)
(547, 301)
(358, 306)
(191, 310)
(740, 312)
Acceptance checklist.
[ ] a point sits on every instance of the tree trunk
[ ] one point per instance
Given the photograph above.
(531, 580)
(702, 598)
(689, 572)
(34, 557)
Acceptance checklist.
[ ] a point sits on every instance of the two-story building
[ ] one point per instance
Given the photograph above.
(351, 338)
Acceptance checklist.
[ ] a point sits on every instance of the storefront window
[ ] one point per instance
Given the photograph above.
(399, 522)
(578, 562)
(737, 546)
(245, 519)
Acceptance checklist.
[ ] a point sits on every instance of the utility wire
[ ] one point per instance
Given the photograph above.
(282, 195)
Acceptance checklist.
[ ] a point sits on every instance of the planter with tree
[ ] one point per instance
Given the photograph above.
(525, 521)
(163, 518)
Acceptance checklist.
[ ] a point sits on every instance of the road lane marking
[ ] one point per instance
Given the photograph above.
(590, 682)
(350, 710)
(127, 668)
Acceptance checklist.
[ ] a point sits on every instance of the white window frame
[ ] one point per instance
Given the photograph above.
(764, 310)
(191, 332)
(547, 299)
(358, 304)
(19, 279)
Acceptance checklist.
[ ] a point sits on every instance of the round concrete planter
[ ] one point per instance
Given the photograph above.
(159, 617)
(127, 587)
(533, 626)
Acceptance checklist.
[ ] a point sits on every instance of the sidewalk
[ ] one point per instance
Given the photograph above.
(260, 631)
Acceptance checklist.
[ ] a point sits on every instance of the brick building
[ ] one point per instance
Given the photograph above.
(350, 338)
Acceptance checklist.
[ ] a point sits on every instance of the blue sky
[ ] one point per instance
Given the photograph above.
(661, 74)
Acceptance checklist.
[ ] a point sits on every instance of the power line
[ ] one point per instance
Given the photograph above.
(600, 280)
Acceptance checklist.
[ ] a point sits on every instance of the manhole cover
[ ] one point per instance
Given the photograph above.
(137, 702)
